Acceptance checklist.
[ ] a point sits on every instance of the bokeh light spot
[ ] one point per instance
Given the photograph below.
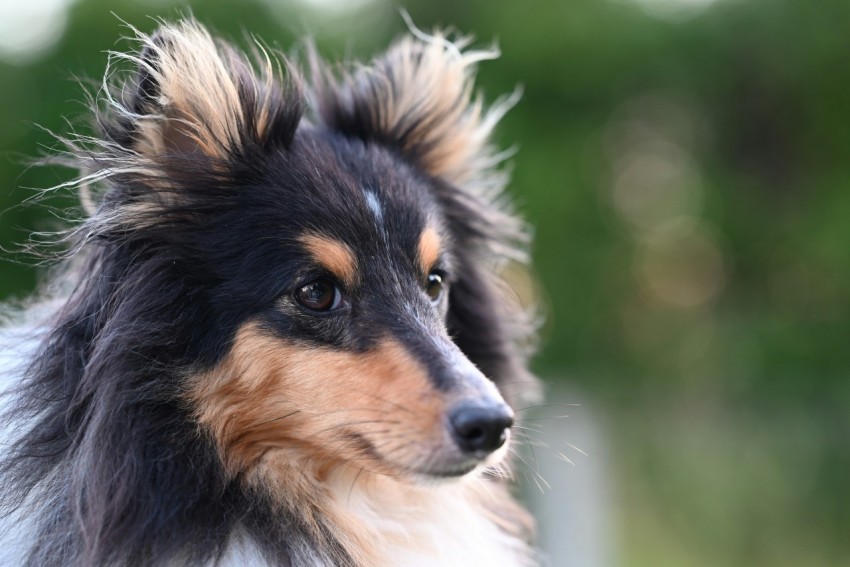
(674, 9)
(28, 30)
(680, 264)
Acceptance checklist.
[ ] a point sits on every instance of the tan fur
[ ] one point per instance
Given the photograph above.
(287, 417)
(429, 249)
(199, 81)
(436, 82)
(271, 395)
(334, 255)
(423, 86)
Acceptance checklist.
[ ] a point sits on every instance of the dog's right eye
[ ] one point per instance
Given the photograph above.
(319, 295)
(434, 286)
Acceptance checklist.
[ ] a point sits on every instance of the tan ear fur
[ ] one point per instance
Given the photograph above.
(198, 94)
(418, 97)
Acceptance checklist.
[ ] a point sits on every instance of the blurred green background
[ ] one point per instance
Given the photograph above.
(686, 166)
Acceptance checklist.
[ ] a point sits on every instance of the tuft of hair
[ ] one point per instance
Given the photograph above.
(417, 97)
(193, 93)
(193, 109)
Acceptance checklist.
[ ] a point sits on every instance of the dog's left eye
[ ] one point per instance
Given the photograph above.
(434, 286)
(319, 295)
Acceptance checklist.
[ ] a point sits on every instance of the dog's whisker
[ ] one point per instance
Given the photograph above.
(551, 437)
(530, 446)
(545, 417)
(294, 412)
(273, 420)
(354, 482)
(525, 428)
(574, 448)
(536, 473)
(346, 424)
(550, 405)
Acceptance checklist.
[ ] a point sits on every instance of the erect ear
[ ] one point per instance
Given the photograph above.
(197, 95)
(418, 99)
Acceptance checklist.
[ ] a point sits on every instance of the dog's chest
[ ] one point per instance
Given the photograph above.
(446, 525)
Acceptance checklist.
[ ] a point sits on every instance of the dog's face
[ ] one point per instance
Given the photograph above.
(350, 359)
(336, 261)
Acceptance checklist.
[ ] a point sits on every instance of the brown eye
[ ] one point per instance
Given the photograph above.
(434, 287)
(319, 295)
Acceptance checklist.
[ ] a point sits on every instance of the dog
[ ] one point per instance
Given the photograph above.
(281, 332)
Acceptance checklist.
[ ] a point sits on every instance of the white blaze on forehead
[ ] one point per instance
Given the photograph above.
(374, 206)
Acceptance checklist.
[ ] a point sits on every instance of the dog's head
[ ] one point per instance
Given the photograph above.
(335, 270)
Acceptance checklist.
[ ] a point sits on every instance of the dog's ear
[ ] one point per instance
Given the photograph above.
(173, 131)
(193, 94)
(417, 99)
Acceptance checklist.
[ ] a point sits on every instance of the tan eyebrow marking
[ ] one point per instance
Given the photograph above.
(334, 255)
(429, 249)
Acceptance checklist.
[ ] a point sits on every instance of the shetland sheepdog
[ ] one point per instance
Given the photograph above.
(281, 332)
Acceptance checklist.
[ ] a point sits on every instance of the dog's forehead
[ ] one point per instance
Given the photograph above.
(361, 198)
(372, 231)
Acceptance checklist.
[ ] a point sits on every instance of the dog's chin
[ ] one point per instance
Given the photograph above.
(435, 477)
(448, 473)
(455, 470)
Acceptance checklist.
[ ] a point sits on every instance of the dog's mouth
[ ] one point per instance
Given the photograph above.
(449, 461)
(450, 472)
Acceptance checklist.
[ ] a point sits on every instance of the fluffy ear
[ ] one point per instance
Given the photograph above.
(196, 95)
(418, 99)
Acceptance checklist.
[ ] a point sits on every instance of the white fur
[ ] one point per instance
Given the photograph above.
(375, 207)
(412, 526)
(17, 344)
(425, 526)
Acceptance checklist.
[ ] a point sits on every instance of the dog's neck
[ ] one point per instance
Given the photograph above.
(381, 522)
(452, 523)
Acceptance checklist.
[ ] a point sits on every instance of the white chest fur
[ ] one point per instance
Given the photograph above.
(446, 524)
(384, 523)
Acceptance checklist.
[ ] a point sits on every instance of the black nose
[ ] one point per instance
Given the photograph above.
(480, 429)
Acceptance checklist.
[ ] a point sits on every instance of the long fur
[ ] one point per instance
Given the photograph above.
(116, 424)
